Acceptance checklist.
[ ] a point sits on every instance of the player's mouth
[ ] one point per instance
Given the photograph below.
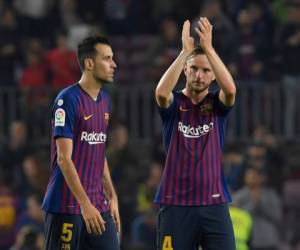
(199, 83)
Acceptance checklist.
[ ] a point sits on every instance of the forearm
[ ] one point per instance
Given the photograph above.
(108, 184)
(222, 74)
(72, 179)
(169, 79)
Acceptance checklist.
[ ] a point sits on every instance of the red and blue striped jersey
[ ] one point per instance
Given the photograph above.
(77, 116)
(193, 138)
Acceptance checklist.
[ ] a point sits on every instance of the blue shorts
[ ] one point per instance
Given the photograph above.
(68, 232)
(187, 228)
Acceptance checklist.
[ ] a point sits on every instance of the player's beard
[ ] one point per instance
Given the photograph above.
(197, 89)
(102, 80)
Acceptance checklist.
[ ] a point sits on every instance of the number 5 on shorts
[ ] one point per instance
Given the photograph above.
(66, 234)
(167, 243)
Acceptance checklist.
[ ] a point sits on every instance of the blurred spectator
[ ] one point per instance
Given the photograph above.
(158, 150)
(140, 17)
(257, 199)
(64, 68)
(279, 11)
(76, 28)
(35, 17)
(91, 11)
(36, 175)
(69, 14)
(165, 49)
(33, 215)
(291, 201)
(9, 47)
(274, 157)
(144, 226)
(9, 210)
(14, 151)
(288, 44)
(234, 166)
(116, 17)
(34, 81)
(242, 227)
(35, 73)
(120, 153)
(251, 46)
(147, 190)
(256, 156)
(123, 162)
(224, 34)
(29, 239)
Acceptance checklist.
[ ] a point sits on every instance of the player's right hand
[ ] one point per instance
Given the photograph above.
(187, 40)
(93, 219)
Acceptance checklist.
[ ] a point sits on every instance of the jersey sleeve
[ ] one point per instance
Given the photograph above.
(166, 114)
(222, 109)
(63, 116)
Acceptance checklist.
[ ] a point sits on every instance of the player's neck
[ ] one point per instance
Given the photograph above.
(194, 96)
(91, 87)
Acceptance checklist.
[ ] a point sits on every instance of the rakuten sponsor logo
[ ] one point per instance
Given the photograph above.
(195, 132)
(93, 138)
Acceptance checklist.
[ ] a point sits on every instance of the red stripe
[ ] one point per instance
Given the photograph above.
(210, 166)
(79, 145)
(97, 155)
(192, 189)
(221, 190)
(201, 165)
(168, 171)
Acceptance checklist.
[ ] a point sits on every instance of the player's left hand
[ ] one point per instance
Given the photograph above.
(114, 210)
(204, 30)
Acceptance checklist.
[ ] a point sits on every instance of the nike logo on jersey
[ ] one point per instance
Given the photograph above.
(184, 109)
(88, 117)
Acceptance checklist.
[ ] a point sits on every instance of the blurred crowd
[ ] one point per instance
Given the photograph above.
(259, 40)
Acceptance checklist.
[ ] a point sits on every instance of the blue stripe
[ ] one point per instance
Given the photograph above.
(175, 166)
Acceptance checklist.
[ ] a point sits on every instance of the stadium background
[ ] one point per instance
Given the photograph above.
(259, 40)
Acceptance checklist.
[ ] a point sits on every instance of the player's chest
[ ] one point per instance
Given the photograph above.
(93, 118)
(196, 113)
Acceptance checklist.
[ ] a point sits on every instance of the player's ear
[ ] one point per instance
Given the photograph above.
(88, 63)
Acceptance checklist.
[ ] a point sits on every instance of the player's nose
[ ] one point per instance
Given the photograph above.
(113, 64)
(199, 74)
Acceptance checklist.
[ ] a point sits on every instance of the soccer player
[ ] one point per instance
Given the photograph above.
(192, 194)
(81, 203)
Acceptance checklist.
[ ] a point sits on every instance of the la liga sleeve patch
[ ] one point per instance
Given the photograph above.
(60, 117)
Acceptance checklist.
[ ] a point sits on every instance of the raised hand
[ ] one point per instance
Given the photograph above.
(187, 40)
(204, 30)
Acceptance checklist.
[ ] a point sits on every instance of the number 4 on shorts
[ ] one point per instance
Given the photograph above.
(167, 243)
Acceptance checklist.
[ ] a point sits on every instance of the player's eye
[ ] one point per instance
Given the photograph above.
(194, 68)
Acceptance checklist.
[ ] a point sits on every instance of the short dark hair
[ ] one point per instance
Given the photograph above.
(196, 51)
(86, 49)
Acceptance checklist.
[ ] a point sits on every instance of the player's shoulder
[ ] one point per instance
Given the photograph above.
(67, 97)
(69, 93)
